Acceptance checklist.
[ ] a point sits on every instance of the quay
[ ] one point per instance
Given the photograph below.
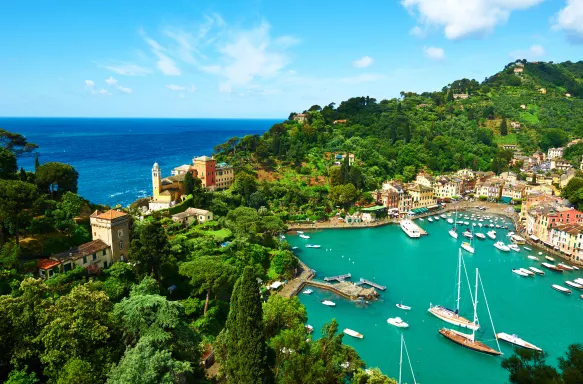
(372, 284)
(345, 289)
(339, 278)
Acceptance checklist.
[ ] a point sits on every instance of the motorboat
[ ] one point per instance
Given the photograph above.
(450, 221)
(501, 246)
(468, 235)
(329, 303)
(578, 281)
(532, 257)
(517, 341)
(520, 273)
(510, 234)
(491, 235)
(294, 248)
(282, 237)
(352, 333)
(313, 246)
(575, 267)
(514, 247)
(304, 236)
(565, 267)
(403, 307)
(480, 236)
(573, 284)
(467, 247)
(561, 289)
(309, 328)
(397, 322)
(527, 271)
(540, 253)
(549, 258)
(410, 228)
(466, 223)
(491, 225)
(517, 239)
(480, 225)
(299, 232)
(436, 218)
(453, 233)
(527, 248)
(430, 219)
(442, 216)
(308, 292)
(552, 267)
(537, 271)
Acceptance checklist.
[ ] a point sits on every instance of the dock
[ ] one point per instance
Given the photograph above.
(345, 289)
(372, 284)
(338, 278)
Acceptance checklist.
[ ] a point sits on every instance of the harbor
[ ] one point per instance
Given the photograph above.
(420, 271)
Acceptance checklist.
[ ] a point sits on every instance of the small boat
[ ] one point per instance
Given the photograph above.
(442, 216)
(480, 236)
(480, 225)
(430, 219)
(565, 267)
(532, 257)
(515, 340)
(573, 284)
(468, 235)
(352, 333)
(299, 232)
(491, 225)
(309, 328)
(527, 271)
(304, 236)
(510, 234)
(501, 246)
(552, 267)
(527, 248)
(308, 292)
(540, 253)
(578, 281)
(491, 235)
(452, 232)
(421, 219)
(549, 258)
(397, 322)
(514, 247)
(467, 247)
(436, 218)
(294, 248)
(466, 223)
(520, 273)
(561, 289)
(575, 267)
(282, 237)
(403, 307)
(537, 271)
(329, 303)
(497, 226)
(450, 221)
(312, 246)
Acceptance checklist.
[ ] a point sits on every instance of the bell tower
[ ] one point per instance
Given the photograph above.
(156, 180)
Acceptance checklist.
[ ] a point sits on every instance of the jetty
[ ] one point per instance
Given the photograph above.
(372, 284)
(338, 278)
(345, 289)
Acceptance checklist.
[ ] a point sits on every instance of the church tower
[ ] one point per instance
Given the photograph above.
(156, 181)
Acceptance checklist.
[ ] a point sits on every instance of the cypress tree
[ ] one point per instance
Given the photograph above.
(246, 352)
(503, 128)
(36, 164)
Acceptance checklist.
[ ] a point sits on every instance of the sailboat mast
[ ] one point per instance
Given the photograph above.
(409, 359)
(475, 307)
(490, 314)
(401, 360)
(459, 277)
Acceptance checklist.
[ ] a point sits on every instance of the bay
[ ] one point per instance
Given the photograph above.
(114, 156)
(423, 271)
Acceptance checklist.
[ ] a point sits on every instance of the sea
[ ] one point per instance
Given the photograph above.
(420, 272)
(114, 156)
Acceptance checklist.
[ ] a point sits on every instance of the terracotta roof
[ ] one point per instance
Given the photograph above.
(47, 263)
(109, 215)
(175, 178)
(80, 251)
(572, 229)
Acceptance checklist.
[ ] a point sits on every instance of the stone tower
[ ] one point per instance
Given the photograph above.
(156, 180)
(113, 228)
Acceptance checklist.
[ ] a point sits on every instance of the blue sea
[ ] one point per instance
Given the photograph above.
(114, 157)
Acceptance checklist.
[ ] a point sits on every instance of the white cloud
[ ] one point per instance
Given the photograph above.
(434, 53)
(89, 83)
(165, 64)
(363, 62)
(418, 32)
(570, 20)
(464, 18)
(125, 90)
(225, 88)
(111, 81)
(534, 52)
(125, 69)
(90, 87)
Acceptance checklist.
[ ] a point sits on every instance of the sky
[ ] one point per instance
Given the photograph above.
(260, 58)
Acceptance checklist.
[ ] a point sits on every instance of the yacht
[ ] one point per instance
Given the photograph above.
(578, 281)
(480, 236)
(517, 341)
(491, 235)
(519, 273)
(397, 322)
(561, 289)
(410, 228)
(537, 271)
(352, 333)
(501, 246)
(329, 303)
(304, 236)
(514, 247)
(308, 292)
(467, 247)
(453, 233)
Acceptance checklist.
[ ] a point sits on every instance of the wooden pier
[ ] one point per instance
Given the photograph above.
(372, 284)
(345, 289)
(338, 278)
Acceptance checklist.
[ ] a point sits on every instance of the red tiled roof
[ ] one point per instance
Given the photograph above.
(109, 215)
(47, 263)
(82, 250)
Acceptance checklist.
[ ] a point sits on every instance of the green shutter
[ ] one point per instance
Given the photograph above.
(84, 259)
(94, 256)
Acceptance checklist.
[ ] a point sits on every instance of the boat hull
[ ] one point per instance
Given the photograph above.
(450, 317)
(468, 343)
(517, 342)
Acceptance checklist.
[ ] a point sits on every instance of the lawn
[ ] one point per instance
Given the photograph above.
(511, 138)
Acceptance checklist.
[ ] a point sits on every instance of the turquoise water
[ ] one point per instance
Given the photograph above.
(422, 271)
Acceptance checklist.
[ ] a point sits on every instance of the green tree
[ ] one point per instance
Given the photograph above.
(21, 376)
(572, 364)
(343, 194)
(57, 178)
(374, 376)
(150, 248)
(247, 360)
(16, 143)
(503, 128)
(245, 184)
(17, 200)
(72, 204)
(188, 183)
(529, 367)
(8, 165)
(78, 371)
(280, 313)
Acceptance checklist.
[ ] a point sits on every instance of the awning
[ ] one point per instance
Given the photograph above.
(433, 207)
(276, 285)
(533, 237)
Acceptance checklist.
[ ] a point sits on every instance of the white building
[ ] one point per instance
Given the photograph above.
(555, 153)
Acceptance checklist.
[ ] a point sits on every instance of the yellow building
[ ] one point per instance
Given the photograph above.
(225, 176)
(421, 196)
(165, 191)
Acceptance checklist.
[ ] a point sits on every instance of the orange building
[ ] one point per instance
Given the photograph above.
(206, 171)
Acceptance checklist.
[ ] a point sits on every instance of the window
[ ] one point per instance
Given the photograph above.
(94, 256)
(104, 252)
(120, 244)
(120, 233)
(67, 267)
(84, 259)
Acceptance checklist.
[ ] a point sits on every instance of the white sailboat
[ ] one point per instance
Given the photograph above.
(449, 315)
(469, 341)
(401, 361)
(469, 246)
(453, 231)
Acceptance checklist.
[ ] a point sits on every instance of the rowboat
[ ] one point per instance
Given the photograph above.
(537, 271)
(527, 271)
(397, 322)
(352, 333)
(515, 340)
(574, 285)
(561, 289)
(404, 307)
(519, 272)
(565, 267)
(329, 303)
(552, 267)
(532, 257)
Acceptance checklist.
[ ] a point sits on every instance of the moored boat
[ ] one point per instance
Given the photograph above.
(573, 284)
(352, 333)
(517, 341)
(313, 246)
(450, 221)
(480, 236)
(397, 322)
(561, 289)
(491, 235)
(501, 246)
(410, 228)
(468, 235)
(565, 267)
(520, 273)
(514, 247)
(537, 271)
(304, 236)
(467, 247)
(578, 281)
(430, 219)
(404, 307)
(328, 303)
(309, 328)
(532, 257)
(453, 233)
(436, 218)
(552, 267)
(527, 271)
(575, 267)
(549, 258)
(527, 248)
(308, 292)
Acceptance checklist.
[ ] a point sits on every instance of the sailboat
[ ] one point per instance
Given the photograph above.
(408, 359)
(447, 314)
(469, 246)
(469, 341)
(453, 231)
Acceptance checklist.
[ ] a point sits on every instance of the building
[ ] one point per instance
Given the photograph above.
(339, 122)
(510, 147)
(192, 214)
(165, 191)
(543, 91)
(206, 171)
(567, 95)
(560, 164)
(461, 96)
(339, 158)
(425, 179)
(568, 239)
(575, 141)
(404, 199)
(465, 173)
(555, 153)
(301, 117)
(518, 70)
(514, 125)
(110, 231)
(225, 176)
(513, 192)
(539, 156)
(491, 188)
(509, 177)
(445, 187)
(422, 196)
(387, 198)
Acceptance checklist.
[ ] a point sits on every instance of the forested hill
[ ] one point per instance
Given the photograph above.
(442, 131)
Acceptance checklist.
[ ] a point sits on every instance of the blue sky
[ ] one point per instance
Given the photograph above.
(257, 58)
